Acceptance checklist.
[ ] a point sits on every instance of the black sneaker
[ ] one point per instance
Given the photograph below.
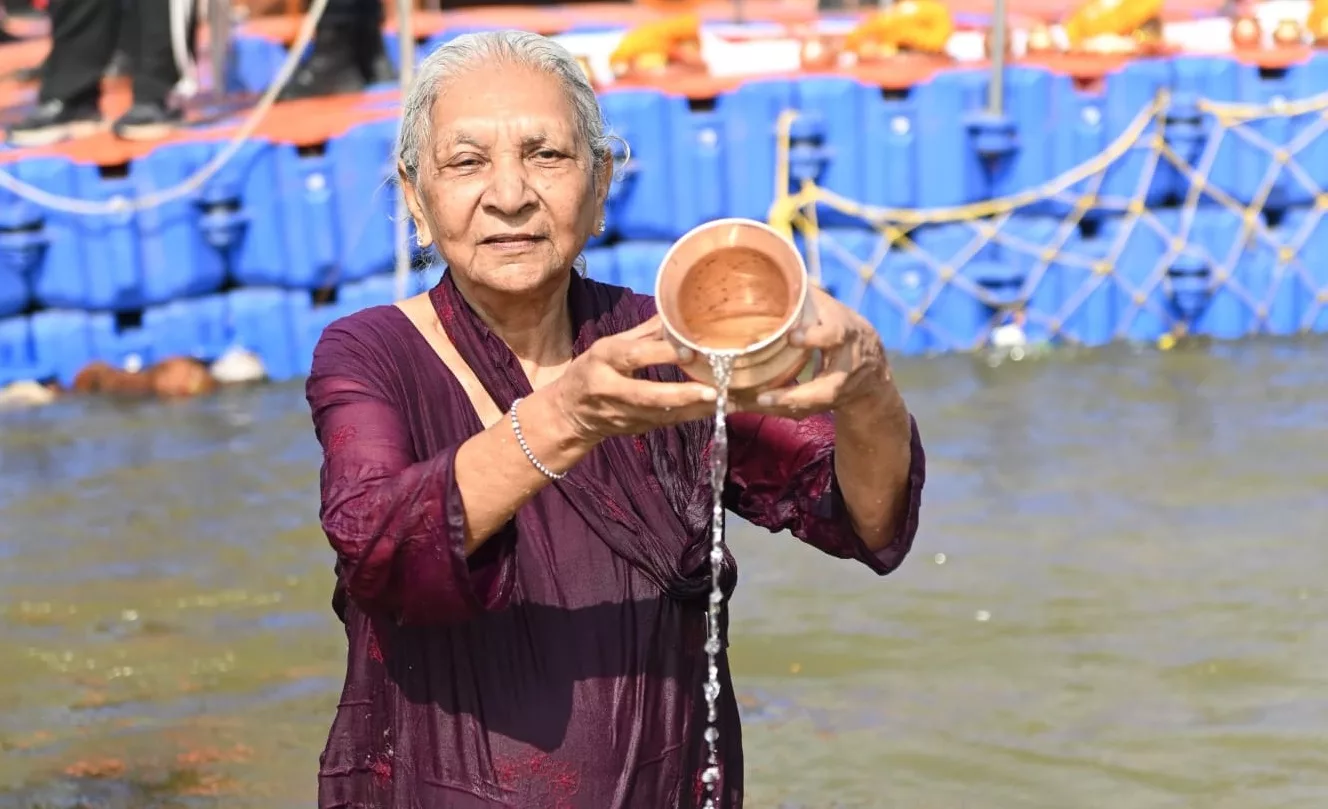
(148, 121)
(56, 121)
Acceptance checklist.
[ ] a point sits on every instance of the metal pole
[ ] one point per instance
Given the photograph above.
(218, 15)
(406, 35)
(996, 87)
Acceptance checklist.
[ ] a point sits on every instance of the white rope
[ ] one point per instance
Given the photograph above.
(406, 40)
(121, 205)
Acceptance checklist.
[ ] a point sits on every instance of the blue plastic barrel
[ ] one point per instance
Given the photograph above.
(194, 327)
(1080, 137)
(650, 122)
(1309, 131)
(1300, 296)
(1030, 103)
(176, 259)
(308, 318)
(364, 176)
(1252, 146)
(287, 198)
(257, 61)
(1193, 134)
(602, 264)
(956, 316)
(832, 138)
(638, 264)
(749, 114)
(61, 342)
(92, 262)
(17, 361)
(889, 168)
(1274, 285)
(259, 323)
(950, 166)
(1128, 93)
(1139, 279)
(1216, 234)
(888, 287)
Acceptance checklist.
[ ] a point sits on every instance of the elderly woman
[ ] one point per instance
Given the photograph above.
(515, 483)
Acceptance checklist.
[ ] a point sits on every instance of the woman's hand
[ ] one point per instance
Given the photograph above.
(853, 365)
(601, 397)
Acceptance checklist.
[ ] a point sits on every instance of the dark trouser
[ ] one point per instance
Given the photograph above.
(353, 12)
(84, 35)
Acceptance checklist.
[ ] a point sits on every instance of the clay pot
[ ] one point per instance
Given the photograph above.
(736, 285)
(817, 54)
(179, 377)
(1040, 40)
(1288, 34)
(94, 378)
(1246, 33)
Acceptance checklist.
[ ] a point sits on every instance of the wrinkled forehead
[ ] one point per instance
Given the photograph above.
(501, 107)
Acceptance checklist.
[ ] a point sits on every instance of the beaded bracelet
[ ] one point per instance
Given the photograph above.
(530, 456)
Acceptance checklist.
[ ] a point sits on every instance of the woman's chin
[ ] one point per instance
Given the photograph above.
(522, 276)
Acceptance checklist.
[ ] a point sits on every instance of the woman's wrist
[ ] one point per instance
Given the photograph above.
(551, 429)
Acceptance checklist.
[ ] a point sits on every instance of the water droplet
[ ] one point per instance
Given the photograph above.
(712, 735)
(982, 616)
(939, 558)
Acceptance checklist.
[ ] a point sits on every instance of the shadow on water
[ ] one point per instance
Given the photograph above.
(1116, 602)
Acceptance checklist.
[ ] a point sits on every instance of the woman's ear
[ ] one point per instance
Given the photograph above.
(413, 205)
(603, 180)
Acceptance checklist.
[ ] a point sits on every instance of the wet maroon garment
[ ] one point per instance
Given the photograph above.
(561, 666)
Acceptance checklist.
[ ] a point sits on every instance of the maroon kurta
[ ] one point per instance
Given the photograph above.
(561, 666)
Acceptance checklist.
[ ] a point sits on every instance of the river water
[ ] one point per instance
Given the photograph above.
(1117, 601)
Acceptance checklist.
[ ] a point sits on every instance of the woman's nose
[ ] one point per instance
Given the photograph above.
(510, 192)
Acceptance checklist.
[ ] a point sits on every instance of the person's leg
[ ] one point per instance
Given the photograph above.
(83, 37)
(152, 70)
(124, 45)
(347, 52)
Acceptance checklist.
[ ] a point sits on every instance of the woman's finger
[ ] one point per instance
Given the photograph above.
(818, 395)
(643, 353)
(648, 395)
(824, 335)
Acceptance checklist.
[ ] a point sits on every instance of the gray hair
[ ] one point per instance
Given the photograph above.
(520, 48)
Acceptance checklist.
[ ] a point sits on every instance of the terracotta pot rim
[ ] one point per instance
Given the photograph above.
(796, 308)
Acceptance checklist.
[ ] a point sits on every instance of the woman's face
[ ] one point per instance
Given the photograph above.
(506, 190)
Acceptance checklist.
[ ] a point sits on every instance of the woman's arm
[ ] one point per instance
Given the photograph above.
(786, 475)
(409, 534)
(850, 462)
(873, 461)
(413, 536)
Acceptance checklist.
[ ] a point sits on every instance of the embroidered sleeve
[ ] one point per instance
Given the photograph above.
(396, 523)
(782, 477)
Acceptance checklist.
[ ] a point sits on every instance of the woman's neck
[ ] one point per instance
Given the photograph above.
(537, 327)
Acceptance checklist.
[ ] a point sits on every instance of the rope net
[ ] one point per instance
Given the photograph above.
(1216, 238)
